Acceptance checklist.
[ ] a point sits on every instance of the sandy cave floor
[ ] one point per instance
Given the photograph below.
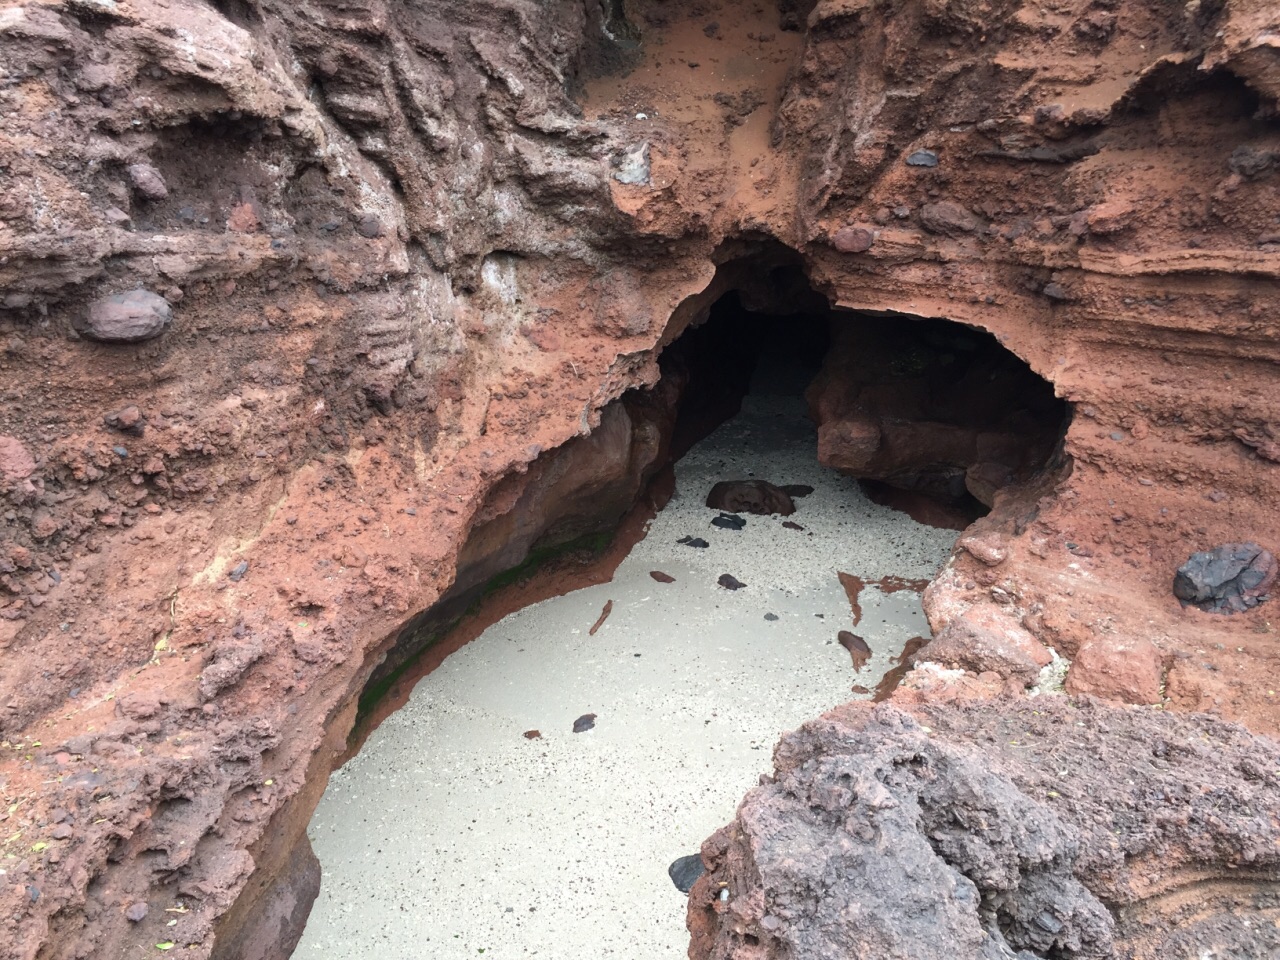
(452, 834)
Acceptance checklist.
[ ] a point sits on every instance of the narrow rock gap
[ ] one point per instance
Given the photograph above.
(586, 742)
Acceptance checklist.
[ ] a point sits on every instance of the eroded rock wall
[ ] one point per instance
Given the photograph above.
(406, 249)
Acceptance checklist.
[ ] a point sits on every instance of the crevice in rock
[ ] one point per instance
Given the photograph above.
(943, 398)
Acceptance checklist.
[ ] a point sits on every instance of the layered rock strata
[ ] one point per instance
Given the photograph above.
(408, 249)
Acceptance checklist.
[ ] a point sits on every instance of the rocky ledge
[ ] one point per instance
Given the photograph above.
(1020, 828)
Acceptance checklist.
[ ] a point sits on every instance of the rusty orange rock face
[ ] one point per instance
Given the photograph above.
(398, 271)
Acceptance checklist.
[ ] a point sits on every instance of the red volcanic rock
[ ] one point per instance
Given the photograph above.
(1126, 670)
(148, 181)
(243, 219)
(984, 638)
(949, 219)
(427, 358)
(15, 462)
(985, 480)
(988, 549)
(848, 444)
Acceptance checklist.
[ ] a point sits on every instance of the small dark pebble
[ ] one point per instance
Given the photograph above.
(771, 617)
(684, 873)
(532, 734)
(238, 571)
(797, 489)
(693, 542)
(33, 893)
(584, 723)
(120, 452)
(922, 158)
(791, 525)
(662, 577)
(61, 832)
(136, 912)
(730, 582)
(729, 521)
(54, 575)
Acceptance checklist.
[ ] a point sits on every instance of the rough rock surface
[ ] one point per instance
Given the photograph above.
(988, 830)
(1227, 579)
(1129, 671)
(985, 639)
(405, 272)
(126, 317)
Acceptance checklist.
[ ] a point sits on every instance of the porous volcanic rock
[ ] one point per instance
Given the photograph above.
(982, 830)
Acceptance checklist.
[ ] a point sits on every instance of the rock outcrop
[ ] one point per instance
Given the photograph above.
(1000, 829)
(403, 269)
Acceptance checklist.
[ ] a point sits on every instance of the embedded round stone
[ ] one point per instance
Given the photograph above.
(127, 317)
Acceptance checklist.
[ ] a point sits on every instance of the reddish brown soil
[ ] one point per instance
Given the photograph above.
(402, 271)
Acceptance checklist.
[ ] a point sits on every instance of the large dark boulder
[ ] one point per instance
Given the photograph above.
(1009, 829)
(1228, 579)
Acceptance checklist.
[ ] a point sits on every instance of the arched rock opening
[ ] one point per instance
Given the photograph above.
(909, 405)
(922, 410)
(943, 401)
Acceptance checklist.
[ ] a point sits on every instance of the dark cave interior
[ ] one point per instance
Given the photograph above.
(908, 405)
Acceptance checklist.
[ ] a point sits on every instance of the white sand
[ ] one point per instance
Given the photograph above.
(451, 835)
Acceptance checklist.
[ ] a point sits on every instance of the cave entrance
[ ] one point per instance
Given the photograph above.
(548, 780)
(931, 416)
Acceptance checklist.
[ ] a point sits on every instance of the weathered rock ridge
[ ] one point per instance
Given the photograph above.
(409, 249)
(1045, 828)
